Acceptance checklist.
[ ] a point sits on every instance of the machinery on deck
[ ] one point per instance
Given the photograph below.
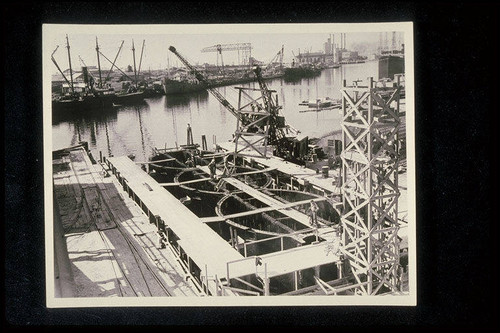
(259, 121)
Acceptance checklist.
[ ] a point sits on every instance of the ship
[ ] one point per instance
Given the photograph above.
(83, 95)
(83, 102)
(325, 102)
(172, 87)
(297, 73)
(320, 104)
(131, 96)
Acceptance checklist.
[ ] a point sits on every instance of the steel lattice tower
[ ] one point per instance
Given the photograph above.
(370, 125)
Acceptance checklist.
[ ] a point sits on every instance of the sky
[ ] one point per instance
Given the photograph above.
(266, 41)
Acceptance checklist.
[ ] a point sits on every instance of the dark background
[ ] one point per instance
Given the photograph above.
(456, 79)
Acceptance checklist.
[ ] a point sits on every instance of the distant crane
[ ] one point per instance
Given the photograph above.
(278, 58)
(246, 48)
(202, 79)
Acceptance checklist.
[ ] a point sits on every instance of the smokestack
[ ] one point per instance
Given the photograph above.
(333, 44)
(345, 44)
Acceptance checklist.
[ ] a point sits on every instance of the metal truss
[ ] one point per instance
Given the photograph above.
(370, 124)
(255, 133)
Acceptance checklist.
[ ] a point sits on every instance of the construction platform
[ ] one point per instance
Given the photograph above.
(210, 258)
(327, 185)
(111, 212)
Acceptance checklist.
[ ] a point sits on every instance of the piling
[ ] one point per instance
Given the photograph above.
(204, 142)
(324, 171)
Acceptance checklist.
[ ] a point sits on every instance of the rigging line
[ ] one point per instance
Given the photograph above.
(132, 247)
(85, 202)
(117, 263)
(97, 190)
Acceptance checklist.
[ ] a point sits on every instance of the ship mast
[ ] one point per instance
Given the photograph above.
(59, 68)
(112, 62)
(140, 59)
(70, 69)
(98, 62)
(135, 71)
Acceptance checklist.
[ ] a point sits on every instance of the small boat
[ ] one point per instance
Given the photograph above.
(130, 97)
(321, 103)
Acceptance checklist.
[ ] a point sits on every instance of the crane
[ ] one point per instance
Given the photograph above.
(214, 92)
(245, 47)
(265, 123)
(277, 58)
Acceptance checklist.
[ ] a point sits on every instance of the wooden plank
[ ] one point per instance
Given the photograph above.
(159, 161)
(294, 214)
(192, 181)
(259, 210)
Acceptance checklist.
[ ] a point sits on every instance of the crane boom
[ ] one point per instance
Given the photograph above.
(213, 91)
(265, 125)
(59, 68)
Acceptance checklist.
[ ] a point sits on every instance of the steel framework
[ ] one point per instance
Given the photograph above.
(246, 49)
(370, 124)
(258, 121)
(256, 133)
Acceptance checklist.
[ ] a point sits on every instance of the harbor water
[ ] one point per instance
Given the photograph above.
(162, 121)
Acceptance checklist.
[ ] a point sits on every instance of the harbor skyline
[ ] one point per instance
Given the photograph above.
(266, 41)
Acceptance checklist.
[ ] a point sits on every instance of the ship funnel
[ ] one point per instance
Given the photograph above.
(85, 75)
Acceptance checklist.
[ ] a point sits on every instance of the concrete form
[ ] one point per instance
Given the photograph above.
(211, 259)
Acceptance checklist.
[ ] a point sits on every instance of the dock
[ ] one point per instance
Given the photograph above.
(105, 245)
(260, 225)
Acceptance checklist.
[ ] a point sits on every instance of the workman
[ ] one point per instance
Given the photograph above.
(314, 216)
(226, 166)
(161, 240)
(211, 167)
(190, 161)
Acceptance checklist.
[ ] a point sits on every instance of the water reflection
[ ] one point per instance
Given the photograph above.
(162, 120)
(97, 113)
(186, 99)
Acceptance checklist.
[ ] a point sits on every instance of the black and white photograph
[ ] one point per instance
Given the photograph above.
(229, 164)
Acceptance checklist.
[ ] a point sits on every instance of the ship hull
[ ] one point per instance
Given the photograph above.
(83, 104)
(129, 98)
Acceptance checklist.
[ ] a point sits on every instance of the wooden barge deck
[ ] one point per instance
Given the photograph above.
(104, 244)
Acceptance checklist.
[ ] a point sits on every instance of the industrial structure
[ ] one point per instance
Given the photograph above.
(248, 219)
(370, 127)
(332, 54)
(245, 48)
(391, 43)
(258, 118)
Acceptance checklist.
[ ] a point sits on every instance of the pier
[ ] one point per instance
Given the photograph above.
(111, 246)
